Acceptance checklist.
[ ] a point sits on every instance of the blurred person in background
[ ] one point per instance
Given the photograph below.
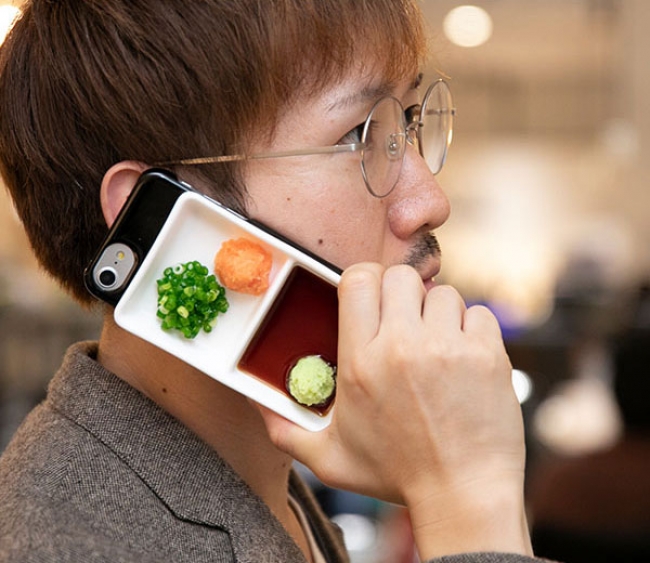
(595, 508)
(134, 455)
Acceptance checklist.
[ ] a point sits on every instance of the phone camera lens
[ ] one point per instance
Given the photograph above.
(107, 277)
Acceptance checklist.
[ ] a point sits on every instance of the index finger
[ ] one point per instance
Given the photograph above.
(359, 298)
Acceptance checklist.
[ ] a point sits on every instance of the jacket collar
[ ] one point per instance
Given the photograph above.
(181, 470)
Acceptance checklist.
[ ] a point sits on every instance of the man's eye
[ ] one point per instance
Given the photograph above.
(412, 114)
(353, 136)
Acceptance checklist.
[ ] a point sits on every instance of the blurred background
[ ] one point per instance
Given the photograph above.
(548, 178)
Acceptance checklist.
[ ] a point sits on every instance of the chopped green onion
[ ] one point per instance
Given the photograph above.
(189, 299)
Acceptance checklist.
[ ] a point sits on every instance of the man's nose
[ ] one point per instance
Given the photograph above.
(418, 202)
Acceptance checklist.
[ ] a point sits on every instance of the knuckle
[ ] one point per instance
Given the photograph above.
(398, 349)
(482, 313)
(401, 274)
(358, 373)
(446, 291)
(359, 275)
(401, 354)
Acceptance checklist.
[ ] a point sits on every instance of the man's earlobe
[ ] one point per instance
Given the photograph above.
(117, 184)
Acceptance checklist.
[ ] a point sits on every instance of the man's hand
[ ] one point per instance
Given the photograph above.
(425, 413)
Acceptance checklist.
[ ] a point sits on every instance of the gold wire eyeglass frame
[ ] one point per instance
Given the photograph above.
(411, 132)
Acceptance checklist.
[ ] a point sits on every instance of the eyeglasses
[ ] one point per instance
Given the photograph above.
(382, 139)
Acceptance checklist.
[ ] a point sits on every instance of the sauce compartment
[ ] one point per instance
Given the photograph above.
(302, 321)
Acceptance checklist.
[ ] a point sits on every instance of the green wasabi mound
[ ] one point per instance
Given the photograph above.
(311, 381)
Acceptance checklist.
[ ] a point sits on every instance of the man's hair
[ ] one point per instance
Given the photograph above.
(85, 84)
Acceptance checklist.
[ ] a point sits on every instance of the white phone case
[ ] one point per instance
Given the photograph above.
(195, 230)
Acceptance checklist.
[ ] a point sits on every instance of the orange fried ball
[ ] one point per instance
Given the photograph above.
(244, 266)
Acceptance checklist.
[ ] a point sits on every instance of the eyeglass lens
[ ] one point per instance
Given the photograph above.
(385, 137)
(435, 133)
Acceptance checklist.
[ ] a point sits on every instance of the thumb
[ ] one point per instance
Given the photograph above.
(299, 443)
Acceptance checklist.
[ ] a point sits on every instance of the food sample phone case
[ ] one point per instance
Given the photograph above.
(281, 305)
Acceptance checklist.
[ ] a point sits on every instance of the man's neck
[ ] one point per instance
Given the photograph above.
(221, 417)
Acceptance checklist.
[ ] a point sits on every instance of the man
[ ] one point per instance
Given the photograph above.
(136, 456)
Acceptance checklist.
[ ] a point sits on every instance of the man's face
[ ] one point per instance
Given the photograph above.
(321, 201)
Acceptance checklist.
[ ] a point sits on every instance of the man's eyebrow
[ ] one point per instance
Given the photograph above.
(363, 96)
(370, 93)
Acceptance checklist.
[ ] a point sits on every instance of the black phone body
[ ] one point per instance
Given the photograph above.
(136, 229)
(133, 233)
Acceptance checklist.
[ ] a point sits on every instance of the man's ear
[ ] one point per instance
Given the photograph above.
(118, 182)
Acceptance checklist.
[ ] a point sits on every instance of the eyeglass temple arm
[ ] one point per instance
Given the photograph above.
(330, 149)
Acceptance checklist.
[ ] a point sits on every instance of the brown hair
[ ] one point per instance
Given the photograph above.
(87, 83)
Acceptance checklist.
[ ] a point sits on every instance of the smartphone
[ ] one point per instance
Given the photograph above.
(134, 231)
(253, 345)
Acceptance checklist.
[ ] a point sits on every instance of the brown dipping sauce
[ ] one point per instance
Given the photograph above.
(303, 321)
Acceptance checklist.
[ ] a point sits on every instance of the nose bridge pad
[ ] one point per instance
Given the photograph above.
(412, 135)
(395, 145)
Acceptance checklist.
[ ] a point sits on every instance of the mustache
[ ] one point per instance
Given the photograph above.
(425, 247)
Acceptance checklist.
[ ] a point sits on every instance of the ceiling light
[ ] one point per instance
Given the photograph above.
(468, 26)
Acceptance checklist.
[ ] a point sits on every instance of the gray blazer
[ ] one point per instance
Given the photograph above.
(99, 473)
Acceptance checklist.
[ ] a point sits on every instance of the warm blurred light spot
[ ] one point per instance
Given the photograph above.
(523, 385)
(8, 15)
(579, 418)
(468, 26)
(359, 531)
(620, 139)
(498, 248)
